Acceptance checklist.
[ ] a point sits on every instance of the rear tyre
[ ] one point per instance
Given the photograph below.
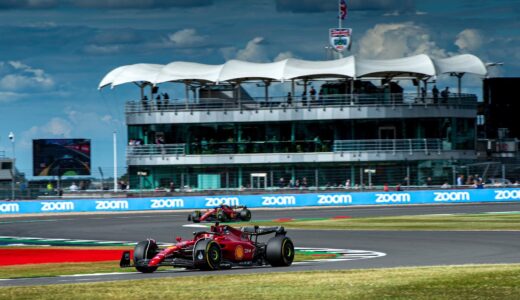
(145, 250)
(279, 251)
(245, 214)
(207, 255)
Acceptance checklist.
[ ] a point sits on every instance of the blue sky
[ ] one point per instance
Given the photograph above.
(54, 53)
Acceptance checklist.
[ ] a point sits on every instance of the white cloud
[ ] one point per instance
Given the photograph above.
(186, 37)
(16, 76)
(254, 51)
(469, 40)
(283, 55)
(386, 41)
(95, 49)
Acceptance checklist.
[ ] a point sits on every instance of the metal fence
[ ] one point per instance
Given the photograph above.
(298, 146)
(339, 100)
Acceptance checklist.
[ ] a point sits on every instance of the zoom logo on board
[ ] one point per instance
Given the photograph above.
(9, 207)
(451, 196)
(507, 195)
(215, 201)
(334, 199)
(393, 198)
(57, 206)
(118, 204)
(166, 203)
(279, 200)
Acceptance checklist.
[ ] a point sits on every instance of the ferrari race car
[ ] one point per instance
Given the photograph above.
(222, 247)
(221, 213)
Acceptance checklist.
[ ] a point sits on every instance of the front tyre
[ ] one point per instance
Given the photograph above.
(279, 251)
(195, 216)
(207, 255)
(245, 215)
(143, 252)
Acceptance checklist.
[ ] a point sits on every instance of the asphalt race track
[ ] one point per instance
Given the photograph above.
(402, 248)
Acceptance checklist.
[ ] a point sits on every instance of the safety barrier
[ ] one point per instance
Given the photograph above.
(266, 200)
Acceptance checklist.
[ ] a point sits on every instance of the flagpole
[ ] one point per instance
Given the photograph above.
(339, 14)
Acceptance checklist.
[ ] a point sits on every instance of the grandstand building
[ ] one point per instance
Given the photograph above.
(298, 123)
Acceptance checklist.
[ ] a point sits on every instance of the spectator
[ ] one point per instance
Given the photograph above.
(398, 188)
(445, 94)
(304, 182)
(386, 188)
(289, 99)
(429, 181)
(445, 185)
(166, 98)
(435, 93)
(423, 94)
(281, 182)
(312, 92)
(460, 180)
(73, 187)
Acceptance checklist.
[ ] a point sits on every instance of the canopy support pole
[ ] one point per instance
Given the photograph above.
(186, 92)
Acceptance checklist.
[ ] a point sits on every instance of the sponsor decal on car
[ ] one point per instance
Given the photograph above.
(117, 204)
(9, 207)
(507, 195)
(392, 198)
(451, 196)
(334, 199)
(216, 201)
(166, 203)
(239, 252)
(279, 200)
(57, 206)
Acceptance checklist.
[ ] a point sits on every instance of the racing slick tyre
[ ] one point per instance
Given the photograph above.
(221, 216)
(145, 250)
(245, 214)
(279, 251)
(206, 255)
(194, 216)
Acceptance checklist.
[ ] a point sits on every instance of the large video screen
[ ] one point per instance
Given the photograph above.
(61, 157)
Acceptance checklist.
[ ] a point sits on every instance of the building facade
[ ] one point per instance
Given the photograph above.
(341, 130)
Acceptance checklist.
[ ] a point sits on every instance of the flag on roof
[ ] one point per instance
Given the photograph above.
(343, 9)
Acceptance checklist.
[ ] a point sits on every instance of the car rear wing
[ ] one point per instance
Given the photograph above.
(263, 230)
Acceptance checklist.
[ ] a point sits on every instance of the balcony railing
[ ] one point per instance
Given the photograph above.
(153, 149)
(392, 146)
(339, 100)
(256, 147)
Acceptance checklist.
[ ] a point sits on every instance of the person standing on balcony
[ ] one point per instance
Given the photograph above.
(166, 98)
(445, 94)
(312, 92)
(289, 99)
(423, 94)
(144, 102)
(435, 93)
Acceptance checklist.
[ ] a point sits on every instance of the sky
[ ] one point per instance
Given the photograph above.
(54, 53)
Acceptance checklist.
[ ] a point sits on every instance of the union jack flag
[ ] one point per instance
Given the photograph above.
(343, 9)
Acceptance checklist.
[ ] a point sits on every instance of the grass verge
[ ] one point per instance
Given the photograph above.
(451, 282)
(501, 221)
(56, 269)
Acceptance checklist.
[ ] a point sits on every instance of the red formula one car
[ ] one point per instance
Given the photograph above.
(221, 213)
(222, 247)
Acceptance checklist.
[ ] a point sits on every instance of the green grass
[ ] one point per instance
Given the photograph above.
(451, 282)
(55, 269)
(501, 221)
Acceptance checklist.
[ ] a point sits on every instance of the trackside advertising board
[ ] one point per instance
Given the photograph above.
(268, 200)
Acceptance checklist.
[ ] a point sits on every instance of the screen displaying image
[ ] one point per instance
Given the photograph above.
(61, 157)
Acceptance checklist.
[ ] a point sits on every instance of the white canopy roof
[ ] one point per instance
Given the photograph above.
(414, 66)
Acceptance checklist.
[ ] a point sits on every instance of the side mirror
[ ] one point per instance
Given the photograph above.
(178, 239)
